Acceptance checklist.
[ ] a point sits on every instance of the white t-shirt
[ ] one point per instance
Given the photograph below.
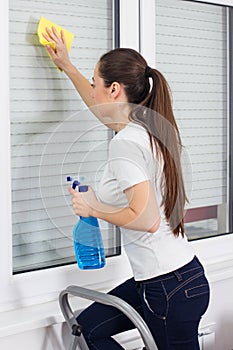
(131, 162)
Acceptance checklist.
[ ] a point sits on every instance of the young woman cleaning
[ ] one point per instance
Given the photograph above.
(142, 191)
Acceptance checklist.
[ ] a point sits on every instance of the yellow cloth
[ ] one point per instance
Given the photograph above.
(44, 22)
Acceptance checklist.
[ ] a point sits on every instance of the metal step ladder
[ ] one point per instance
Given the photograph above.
(128, 310)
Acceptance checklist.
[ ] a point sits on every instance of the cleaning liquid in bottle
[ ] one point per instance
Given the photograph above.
(88, 244)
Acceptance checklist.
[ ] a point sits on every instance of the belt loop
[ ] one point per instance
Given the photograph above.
(178, 276)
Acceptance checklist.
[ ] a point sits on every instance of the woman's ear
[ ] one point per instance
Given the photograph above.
(115, 90)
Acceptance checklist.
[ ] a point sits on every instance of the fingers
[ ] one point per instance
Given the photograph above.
(63, 37)
(46, 36)
(80, 197)
(52, 35)
(74, 194)
(75, 200)
(51, 52)
(71, 190)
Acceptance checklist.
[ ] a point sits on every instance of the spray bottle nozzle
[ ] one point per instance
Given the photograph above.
(75, 182)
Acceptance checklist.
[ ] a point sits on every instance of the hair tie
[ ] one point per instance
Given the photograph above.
(147, 72)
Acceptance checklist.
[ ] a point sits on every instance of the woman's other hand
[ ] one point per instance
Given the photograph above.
(59, 55)
(83, 202)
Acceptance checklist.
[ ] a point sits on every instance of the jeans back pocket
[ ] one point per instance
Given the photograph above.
(197, 291)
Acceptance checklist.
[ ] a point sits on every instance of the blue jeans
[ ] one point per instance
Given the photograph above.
(171, 305)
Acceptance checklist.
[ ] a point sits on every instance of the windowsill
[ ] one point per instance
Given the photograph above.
(37, 316)
(218, 266)
(46, 312)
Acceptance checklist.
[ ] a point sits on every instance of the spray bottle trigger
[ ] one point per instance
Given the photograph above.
(75, 184)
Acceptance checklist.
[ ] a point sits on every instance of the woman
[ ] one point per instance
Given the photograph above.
(142, 192)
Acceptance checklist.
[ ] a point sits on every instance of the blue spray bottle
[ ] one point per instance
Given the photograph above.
(88, 244)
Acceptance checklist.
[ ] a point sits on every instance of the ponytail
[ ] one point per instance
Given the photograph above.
(164, 136)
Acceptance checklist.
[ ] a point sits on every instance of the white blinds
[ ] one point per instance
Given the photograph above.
(50, 139)
(191, 52)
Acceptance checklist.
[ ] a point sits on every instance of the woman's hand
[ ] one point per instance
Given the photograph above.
(83, 202)
(59, 55)
(142, 213)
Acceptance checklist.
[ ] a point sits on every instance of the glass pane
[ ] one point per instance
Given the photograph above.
(191, 52)
(50, 138)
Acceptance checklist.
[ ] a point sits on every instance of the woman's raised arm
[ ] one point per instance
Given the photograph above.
(60, 57)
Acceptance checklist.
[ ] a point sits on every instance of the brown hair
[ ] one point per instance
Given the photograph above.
(154, 112)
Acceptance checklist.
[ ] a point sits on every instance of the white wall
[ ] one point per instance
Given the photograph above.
(36, 322)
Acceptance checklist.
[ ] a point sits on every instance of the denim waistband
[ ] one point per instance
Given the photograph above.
(194, 264)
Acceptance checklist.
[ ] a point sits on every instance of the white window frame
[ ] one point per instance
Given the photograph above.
(44, 285)
(129, 23)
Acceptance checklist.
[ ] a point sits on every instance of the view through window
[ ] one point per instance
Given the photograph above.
(191, 51)
(53, 135)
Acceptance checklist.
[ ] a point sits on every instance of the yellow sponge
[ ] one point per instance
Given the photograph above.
(44, 22)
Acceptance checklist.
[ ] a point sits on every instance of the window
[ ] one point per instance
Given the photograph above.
(25, 289)
(191, 52)
(53, 135)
